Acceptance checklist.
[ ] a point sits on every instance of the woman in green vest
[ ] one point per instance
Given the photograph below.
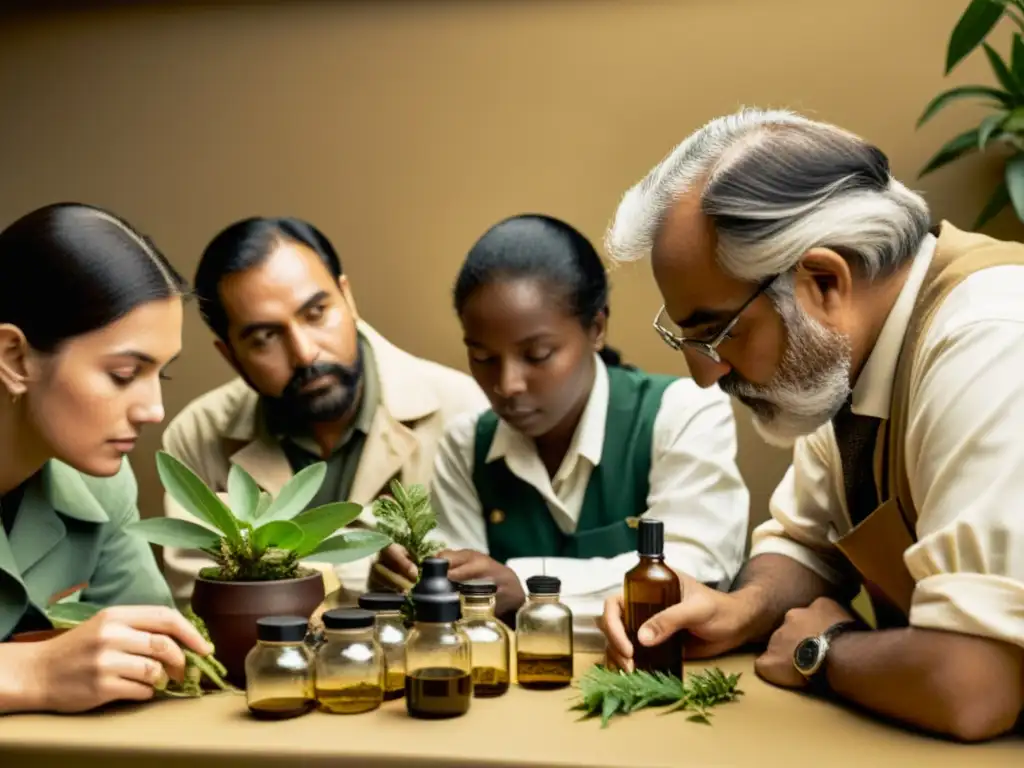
(576, 445)
(90, 314)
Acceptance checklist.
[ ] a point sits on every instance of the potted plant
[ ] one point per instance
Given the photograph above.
(1003, 128)
(257, 544)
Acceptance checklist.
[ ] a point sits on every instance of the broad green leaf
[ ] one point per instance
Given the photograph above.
(988, 126)
(994, 206)
(1002, 71)
(191, 493)
(946, 98)
(957, 147)
(1014, 121)
(1017, 58)
(67, 615)
(349, 546)
(262, 505)
(319, 523)
(283, 534)
(975, 23)
(243, 493)
(172, 532)
(1014, 175)
(297, 493)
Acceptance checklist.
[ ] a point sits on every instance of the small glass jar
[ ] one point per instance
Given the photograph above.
(438, 658)
(544, 636)
(488, 638)
(390, 631)
(349, 664)
(279, 670)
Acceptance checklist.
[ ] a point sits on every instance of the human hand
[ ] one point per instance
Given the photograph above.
(712, 623)
(775, 665)
(395, 557)
(123, 652)
(465, 564)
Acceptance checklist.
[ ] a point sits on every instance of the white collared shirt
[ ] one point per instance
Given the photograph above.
(695, 488)
(965, 459)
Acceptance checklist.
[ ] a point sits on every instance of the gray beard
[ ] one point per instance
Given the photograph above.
(810, 385)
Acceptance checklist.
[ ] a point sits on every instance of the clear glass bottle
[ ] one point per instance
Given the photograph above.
(390, 631)
(279, 670)
(438, 658)
(349, 664)
(649, 588)
(488, 638)
(544, 636)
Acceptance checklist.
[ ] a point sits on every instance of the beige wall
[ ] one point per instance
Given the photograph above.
(404, 129)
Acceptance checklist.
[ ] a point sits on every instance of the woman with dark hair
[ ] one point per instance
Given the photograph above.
(575, 444)
(90, 315)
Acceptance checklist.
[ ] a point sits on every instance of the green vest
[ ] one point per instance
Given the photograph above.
(519, 523)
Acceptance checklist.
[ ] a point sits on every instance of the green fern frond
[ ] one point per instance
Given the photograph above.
(407, 518)
(607, 692)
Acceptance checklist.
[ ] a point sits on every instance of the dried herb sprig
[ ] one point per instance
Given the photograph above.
(70, 614)
(608, 692)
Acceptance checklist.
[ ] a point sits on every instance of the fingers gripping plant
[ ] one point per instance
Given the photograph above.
(1004, 126)
(254, 537)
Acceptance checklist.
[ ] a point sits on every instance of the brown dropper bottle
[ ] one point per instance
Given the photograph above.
(651, 587)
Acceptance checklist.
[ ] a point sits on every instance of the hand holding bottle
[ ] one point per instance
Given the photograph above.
(122, 652)
(713, 622)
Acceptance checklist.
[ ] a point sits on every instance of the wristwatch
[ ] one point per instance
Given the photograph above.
(810, 655)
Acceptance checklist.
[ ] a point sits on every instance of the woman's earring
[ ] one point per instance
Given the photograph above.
(15, 397)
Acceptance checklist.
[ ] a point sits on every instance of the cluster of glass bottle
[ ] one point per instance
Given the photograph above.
(456, 650)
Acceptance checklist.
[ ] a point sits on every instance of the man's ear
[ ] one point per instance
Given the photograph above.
(346, 294)
(15, 366)
(824, 284)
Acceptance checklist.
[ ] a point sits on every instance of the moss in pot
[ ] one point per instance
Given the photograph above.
(257, 544)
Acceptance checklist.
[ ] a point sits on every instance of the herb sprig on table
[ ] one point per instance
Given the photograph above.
(608, 692)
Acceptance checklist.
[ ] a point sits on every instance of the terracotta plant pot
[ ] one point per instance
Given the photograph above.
(231, 609)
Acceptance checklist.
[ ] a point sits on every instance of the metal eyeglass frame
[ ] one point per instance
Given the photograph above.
(707, 348)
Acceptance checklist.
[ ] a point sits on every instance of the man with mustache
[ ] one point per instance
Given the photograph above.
(316, 383)
(805, 280)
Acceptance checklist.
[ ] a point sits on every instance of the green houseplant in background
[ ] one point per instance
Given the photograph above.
(1004, 126)
(257, 544)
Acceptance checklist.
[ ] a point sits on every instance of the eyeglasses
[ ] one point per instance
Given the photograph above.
(707, 348)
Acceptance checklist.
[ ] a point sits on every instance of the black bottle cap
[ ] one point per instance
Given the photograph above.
(281, 629)
(544, 585)
(382, 601)
(348, 618)
(477, 587)
(650, 537)
(438, 608)
(433, 577)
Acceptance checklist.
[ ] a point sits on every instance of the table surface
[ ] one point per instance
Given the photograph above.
(767, 726)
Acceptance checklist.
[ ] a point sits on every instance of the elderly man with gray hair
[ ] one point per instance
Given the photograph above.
(803, 279)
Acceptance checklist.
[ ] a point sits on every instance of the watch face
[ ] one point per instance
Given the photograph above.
(807, 652)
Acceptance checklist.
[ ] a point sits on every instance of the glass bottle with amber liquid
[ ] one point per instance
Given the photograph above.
(438, 658)
(390, 631)
(488, 638)
(279, 669)
(544, 636)
(649, 588)
(350, 663)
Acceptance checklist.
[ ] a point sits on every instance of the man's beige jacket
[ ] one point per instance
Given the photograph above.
(419, 398)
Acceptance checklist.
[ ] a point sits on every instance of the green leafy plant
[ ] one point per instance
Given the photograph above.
(608, 692)
(67, 615)
(256, 537)
(407, 518)
(1004, 127)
